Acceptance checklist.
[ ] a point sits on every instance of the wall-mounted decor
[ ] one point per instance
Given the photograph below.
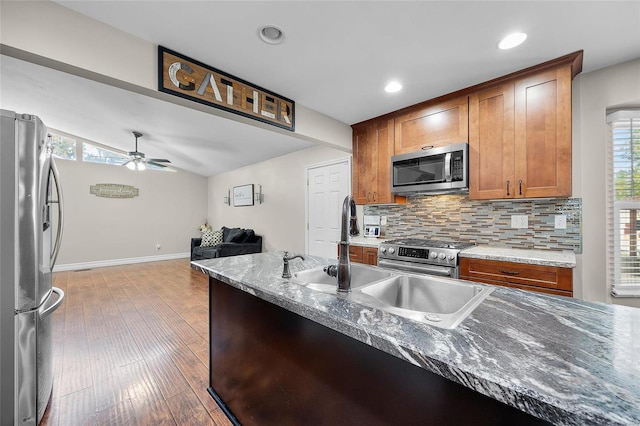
(190, 79)
(243, 195)
(113, 190)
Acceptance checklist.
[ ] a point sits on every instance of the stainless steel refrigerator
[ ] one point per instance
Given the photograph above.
(30, 215)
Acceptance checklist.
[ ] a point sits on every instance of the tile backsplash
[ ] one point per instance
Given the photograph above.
(455, 217)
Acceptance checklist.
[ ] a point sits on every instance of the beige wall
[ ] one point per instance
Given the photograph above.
(281, 218)
(594, 93)
(168, 211)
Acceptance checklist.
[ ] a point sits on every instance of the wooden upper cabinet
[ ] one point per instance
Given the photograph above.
(543, 134)
(520, 138)
(365, 159)
(432, 125)
(372, 151)
(491, 143)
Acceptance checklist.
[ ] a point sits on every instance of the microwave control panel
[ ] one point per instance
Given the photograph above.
(457, 166)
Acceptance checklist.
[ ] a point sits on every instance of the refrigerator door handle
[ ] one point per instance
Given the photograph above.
(56, 305)
(56, 179)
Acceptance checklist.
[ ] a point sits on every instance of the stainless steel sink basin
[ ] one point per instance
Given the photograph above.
(433, 300)
(441, 302)
(361, 275)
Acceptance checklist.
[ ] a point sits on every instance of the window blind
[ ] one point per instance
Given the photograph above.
(623, 199)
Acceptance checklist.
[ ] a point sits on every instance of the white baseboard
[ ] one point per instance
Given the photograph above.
(116, 262)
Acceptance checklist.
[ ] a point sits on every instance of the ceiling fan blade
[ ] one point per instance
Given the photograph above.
(158, 160)
(126, 162)
(155, 164)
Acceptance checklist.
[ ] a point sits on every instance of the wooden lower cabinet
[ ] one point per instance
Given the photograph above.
(539, 278)
(360, 254)
(370, 256)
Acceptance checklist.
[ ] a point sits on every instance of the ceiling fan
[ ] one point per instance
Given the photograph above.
(137, 160)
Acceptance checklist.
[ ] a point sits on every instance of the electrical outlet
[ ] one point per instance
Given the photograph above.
(560, 221)
(383, 220)
(519, 221)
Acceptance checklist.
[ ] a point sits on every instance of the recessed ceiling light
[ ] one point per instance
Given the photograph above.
(393, 87)
(271, 34)
(512, 40)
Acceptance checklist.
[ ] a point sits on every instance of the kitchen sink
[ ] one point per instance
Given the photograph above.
(317, 279)
(438, 301)
(442, 302)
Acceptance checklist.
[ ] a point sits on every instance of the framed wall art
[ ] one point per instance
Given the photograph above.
(243, 195)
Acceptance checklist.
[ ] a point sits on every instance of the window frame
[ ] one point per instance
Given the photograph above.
(614, 255)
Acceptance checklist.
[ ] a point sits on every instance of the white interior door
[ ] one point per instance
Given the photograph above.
(328, 185)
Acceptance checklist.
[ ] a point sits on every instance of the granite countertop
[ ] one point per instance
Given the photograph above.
(563, 259)
(560, 359)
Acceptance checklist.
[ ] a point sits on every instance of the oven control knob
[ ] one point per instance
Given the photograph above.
(392, 250)
(442, 256)
(451, 257)
(434, 255)
(383, 249)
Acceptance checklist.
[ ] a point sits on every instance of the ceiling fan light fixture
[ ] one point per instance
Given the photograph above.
(131, 165)
(512, 40)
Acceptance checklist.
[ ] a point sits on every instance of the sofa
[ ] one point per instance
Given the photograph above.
(235, 241)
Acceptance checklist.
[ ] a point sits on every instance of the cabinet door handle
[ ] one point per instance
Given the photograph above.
(368, 197)
(426, 147)
(374, 196)
(508, 182)
(520, 186)
(509, 272)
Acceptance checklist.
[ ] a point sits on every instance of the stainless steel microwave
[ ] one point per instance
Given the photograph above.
(441, 170)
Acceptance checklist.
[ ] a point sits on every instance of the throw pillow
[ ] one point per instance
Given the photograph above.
(236, 235)
(211, 238)
(217, 237)
(249, 236)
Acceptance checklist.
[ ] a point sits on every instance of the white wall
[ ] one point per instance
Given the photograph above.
(169, 211)
(594, 93)
(281, 218)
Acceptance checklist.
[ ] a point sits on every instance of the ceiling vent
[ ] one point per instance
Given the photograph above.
(271, 34)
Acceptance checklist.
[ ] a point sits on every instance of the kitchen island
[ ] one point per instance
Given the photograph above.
(556, 359)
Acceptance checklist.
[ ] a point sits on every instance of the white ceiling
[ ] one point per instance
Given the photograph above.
(336, 58)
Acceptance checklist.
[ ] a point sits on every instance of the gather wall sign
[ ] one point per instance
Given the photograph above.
(190, 79)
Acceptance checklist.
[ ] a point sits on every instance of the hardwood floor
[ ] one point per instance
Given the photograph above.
(131, 347)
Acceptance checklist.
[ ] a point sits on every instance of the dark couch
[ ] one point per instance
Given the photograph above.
(235, 241)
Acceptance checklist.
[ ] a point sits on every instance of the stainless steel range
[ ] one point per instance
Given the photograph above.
(422, 256)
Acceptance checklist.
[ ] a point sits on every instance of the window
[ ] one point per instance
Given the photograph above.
(63, 147)
(96, 154)
(69, 148)
(624, 203)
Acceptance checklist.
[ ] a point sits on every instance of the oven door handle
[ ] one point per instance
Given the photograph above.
(441, 271)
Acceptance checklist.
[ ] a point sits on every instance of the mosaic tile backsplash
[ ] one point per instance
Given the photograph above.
(455, 217)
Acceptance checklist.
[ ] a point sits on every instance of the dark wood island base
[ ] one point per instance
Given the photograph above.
(270, 366)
